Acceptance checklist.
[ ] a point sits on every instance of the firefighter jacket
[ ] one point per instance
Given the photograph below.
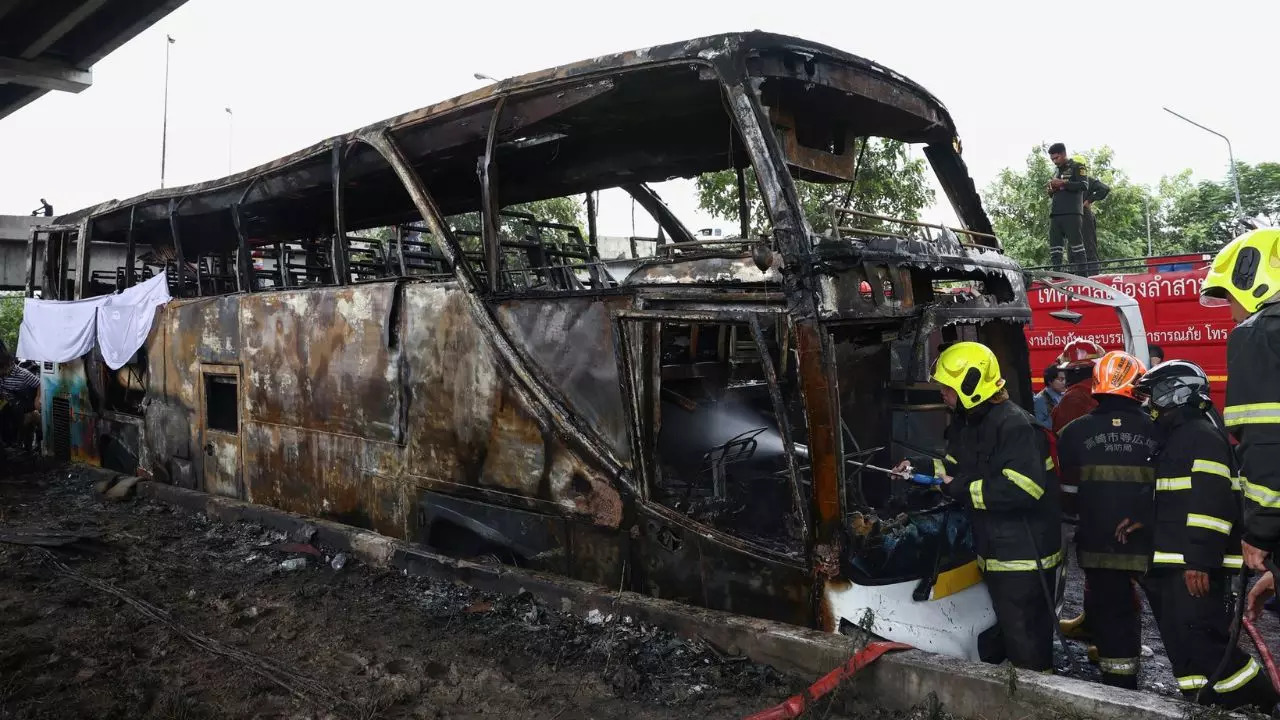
(1252, 414)
(1070, 199)
(1002, 472)
(1108, 453)
(1197, 496)
(1076, 401)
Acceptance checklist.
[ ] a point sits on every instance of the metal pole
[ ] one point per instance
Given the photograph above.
(230, 117)
(1147, 201)
(164, 129)
(1235, 178)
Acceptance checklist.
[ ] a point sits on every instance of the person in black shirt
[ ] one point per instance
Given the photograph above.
(1066, 209)
(19, 396)
(1097, 192)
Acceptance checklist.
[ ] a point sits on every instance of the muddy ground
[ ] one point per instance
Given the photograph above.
(168, 616)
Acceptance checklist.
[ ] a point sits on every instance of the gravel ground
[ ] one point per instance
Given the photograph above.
(166, 615)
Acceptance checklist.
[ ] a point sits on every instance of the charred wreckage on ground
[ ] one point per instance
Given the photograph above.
(692, 424)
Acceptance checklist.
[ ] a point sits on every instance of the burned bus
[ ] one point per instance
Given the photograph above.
(692, 422)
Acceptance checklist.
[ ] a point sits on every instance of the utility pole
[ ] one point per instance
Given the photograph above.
(1146, 199)
(164, 128)
(230, 117)
(1235, 178)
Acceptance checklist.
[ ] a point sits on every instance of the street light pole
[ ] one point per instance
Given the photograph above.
(230, 117)
(1235, 178)
(164, 128)
(1147, 201)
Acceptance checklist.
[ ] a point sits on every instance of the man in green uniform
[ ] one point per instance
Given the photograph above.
(1066, 191)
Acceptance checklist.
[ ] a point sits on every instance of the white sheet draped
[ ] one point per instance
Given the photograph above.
(62, 330)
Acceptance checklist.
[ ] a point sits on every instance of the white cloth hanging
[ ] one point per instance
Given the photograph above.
(57, 330)
(124, 321)
(63, 330)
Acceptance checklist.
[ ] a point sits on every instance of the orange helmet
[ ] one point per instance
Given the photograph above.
(1080, 353)
(1116, 374)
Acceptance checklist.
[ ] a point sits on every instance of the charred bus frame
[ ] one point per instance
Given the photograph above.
(488, 390)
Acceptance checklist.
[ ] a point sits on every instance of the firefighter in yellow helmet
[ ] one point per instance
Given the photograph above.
(1246, 276)
(998, 466)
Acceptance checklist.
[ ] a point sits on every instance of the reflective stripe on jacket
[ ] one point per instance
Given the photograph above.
(1252, 414)
(1197, 498)
(1003, 474)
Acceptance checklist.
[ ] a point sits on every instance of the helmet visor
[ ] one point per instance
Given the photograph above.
(1212, 301)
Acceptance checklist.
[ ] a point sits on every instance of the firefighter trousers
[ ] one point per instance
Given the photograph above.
(1115, 622)
(1066, 232)
(1196, 634)
(1024, 616)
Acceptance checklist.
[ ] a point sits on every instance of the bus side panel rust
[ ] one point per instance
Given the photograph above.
(473, 425)
(319, 358)
(571, 341)
(332, 427)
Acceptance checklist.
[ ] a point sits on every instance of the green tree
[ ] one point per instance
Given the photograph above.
(10, 319)
(888, 183)
(1019, 208)
(1204, 213)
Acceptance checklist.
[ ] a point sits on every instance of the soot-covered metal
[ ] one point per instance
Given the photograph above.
(477, 378)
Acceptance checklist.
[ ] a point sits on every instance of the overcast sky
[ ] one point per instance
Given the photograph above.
(1013, 74)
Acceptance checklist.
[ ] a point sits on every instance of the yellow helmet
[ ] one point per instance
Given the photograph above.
(971, 369)
(1247, 269)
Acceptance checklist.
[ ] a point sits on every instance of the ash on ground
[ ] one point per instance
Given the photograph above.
(153, 612)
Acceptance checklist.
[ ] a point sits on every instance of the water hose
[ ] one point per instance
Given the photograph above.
(796, 705)
(1048, 599)
(1267, 660)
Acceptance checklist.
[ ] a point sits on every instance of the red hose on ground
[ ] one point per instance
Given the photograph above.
(1264, 652)
(793, 706)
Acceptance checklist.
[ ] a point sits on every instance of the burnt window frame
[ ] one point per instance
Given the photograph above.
(219, 376)
(637, 337)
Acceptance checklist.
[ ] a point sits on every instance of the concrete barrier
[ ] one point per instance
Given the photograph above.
(898, 680)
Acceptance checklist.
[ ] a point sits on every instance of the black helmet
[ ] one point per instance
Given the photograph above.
(1174, 384)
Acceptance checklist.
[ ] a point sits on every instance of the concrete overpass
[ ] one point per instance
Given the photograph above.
(52, 44)
(15, 233)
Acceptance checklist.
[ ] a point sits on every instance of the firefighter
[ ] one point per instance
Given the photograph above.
(1106, 452)
(1246, 275)
(1066, 192)
(998, 466)
(1197, 538)
(1077, 359)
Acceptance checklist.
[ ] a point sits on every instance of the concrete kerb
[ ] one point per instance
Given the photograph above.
(898, 680)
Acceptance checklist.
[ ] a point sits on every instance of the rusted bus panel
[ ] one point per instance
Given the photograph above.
(72, 423)
(169, 414)
(756, 586)
(339, 477)
(323, 359)
(470, 425)
(570, 340)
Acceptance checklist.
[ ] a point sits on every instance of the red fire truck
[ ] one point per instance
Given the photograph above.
(1167, 291)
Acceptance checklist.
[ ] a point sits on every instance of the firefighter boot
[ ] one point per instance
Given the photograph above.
(1074, 628)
